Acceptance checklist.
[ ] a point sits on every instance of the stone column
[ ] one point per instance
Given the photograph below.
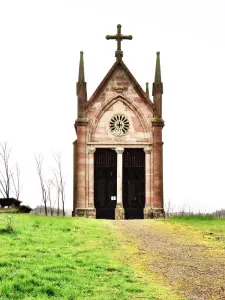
(147, 210)
(147, 151)
(119, 176)
(119, 212)
(91, 152)
(157, 167)
(74, 176)
(80, 173)
(80, 170)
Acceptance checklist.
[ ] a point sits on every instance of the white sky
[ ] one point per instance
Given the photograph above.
(40, 43)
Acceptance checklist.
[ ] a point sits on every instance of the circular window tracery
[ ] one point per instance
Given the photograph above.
(119, 125)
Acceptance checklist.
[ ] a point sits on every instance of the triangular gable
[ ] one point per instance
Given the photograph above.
(108, 76)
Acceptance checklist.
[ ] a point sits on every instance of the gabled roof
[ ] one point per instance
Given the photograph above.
(108, 76)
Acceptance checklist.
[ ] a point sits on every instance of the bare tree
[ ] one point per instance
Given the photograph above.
(60, 181)
(49, 185)
(57, 187)
(9, 182)
(39, 165)
(5, 174)
(169, 208)
(16, 182)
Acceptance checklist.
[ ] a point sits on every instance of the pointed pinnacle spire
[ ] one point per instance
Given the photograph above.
(81, 88)
(157, 84)
(147, 90)
(81, 68)
(157, 68)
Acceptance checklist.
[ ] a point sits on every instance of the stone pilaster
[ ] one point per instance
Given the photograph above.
(147, 151)
(91, 152)
(157, 204)
(148, 183)
(74, 176)
(80, 126)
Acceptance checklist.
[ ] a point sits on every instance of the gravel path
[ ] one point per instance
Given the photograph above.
(187, 259)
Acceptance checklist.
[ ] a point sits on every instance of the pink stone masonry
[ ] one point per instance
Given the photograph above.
(118, 96)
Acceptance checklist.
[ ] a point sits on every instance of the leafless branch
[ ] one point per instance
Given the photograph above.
(39, 165)
(57, 187)
(60, 179)
(16, 185)
(49, 185)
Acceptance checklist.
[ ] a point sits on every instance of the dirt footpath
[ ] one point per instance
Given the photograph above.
(188, 260)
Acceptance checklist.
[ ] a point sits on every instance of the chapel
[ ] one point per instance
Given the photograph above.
(118, 153)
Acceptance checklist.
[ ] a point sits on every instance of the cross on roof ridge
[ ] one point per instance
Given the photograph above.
(119, 37)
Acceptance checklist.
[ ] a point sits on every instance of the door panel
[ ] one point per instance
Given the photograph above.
(105, 172)
(133, 183)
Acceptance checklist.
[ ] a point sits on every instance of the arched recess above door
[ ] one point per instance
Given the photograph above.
(110, 103)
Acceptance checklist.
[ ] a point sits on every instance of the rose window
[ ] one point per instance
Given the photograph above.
(119, 125)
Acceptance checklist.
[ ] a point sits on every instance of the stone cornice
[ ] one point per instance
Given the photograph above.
(108, 144)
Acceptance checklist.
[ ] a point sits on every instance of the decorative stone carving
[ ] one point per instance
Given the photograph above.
(119, 125)
(119, 90)
(148, 150)
(119, 150)
(91, 150)
(156, 121)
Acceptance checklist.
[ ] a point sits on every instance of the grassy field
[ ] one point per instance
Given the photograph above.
(210, 226)
(67, 258)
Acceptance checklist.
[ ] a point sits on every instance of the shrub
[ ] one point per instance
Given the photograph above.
(7, 221)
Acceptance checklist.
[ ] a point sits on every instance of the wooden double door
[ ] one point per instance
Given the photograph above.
(133, 184)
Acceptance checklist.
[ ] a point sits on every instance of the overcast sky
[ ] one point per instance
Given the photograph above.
(40, 43)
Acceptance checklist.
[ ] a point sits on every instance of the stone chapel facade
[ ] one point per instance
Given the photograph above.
(118, 153)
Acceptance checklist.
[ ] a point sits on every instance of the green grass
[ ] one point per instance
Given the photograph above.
(210, 225)
(66, 258)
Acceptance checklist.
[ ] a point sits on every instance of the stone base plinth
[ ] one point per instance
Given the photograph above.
(149, 213)
(119, 213)
(154, 213)
(84, 212)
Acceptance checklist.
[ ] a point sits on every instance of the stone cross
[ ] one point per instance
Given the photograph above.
(119, 37)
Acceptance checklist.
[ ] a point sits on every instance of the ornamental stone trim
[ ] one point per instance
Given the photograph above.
(119, 125)
(118, 90)
(119, 150)
(81, 122)
(157, 122)
(148, 150)
(91, 150)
